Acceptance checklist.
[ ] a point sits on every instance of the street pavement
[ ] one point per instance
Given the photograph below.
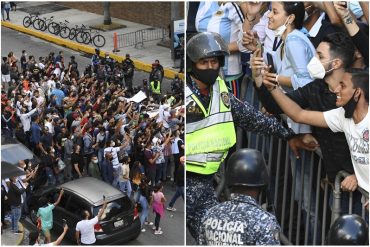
(172, 223)
(16, 41)
(146, 54)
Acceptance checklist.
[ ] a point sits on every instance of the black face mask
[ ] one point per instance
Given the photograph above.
(207, 76)
(350, 107)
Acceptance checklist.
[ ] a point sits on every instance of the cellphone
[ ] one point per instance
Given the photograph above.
(103, 197)
(64, 222)
(270, 62)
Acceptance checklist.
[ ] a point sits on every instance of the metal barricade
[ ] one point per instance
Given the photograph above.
(138, 38)
(299, 225)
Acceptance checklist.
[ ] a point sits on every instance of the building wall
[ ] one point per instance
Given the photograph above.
(157, 14)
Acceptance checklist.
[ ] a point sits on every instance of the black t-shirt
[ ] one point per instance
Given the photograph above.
(74, 65)
(77, 158)
(181, 151)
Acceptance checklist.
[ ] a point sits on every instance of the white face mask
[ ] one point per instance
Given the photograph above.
(316, 69)
(280, 30)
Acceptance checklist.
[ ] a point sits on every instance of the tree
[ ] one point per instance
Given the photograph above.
(107, 19)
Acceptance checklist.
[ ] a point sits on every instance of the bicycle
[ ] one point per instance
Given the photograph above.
(64, 29)
(54, 28)
(98, 40)
(80, 34)
(42, 24)
(29, 19)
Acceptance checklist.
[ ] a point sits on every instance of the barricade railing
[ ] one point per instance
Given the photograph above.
(138, 38)
(304, 219)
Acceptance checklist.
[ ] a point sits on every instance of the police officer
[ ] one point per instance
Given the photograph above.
(241, 221)
(211, 116)
(128, 71)
(349, 229)
(155, 87)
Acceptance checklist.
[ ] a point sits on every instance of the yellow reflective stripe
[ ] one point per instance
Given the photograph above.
(197, 101)
(213, 139)
(215, 104)
(209, 168)
(156, 90)
(209, 121)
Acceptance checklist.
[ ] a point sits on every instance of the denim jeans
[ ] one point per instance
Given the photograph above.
(145, 210)
(125, 185)
(179, 192)
(16, 215)
(158, 173)
(50, 176)
(100, 156)
(115, 182)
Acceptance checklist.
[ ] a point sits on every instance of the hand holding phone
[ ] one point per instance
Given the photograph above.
(270, 62)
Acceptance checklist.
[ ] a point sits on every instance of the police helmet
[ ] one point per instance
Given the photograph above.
(205, 45)
(349, 229)
(246, 167)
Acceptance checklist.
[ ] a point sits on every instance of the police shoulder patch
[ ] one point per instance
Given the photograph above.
(225, 99)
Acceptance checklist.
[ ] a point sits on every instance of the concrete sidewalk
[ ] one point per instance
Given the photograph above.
(143, 57)
(9, 238)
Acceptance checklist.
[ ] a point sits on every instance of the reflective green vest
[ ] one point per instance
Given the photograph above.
(209, 140)
(156, 90)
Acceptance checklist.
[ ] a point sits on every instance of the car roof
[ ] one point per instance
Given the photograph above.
(92, 190)
(8, 140)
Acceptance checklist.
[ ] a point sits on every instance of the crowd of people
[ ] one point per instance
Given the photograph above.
(316, 53)
(80, 121)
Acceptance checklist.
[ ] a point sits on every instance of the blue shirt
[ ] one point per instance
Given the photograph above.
(35, 133)
(59, 94)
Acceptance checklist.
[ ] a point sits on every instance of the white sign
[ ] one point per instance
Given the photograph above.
(140, 96)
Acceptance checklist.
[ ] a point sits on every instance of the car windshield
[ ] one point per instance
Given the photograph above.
(114, 208)
(13, 153)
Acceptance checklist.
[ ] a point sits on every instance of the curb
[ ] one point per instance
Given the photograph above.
(87, 49)
(21, 228)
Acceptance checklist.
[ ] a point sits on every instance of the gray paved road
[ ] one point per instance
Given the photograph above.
(172, 226)
(16, 41)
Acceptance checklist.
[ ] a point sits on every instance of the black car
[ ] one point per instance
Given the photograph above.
(119, 223)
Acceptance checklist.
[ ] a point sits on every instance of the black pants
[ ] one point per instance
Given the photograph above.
(176, 160)
(157, 220)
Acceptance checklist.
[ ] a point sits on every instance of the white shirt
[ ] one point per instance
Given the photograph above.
(357, 136)
(86, 229)
(26, 119)
(51, 84)
(226, 20)
(175, 147)
(114, 151)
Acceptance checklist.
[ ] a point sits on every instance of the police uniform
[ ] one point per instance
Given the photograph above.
(156, 91)
(211, 117)
(240, 221)
(208, 139)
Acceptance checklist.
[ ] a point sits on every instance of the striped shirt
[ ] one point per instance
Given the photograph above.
(226, 20)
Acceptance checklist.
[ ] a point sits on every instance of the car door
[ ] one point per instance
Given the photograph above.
(72, 212)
